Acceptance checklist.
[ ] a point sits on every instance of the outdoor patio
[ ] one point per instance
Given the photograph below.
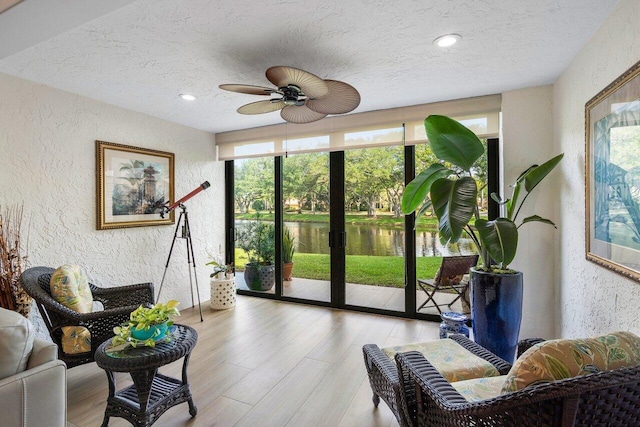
(381, 297)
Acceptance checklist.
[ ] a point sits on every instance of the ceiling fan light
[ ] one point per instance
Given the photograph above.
(187, 97)
(447, 40)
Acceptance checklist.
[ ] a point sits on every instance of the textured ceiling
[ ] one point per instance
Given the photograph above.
(141, 54)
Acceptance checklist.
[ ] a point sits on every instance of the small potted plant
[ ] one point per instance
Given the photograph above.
(221, 270)
(146, 326)
(288, 250)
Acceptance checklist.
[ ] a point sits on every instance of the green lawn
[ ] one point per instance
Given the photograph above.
(362, 269)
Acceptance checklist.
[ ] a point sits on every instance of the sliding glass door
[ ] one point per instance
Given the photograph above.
(336, 215)
(375, 270)
(254, 229)
(306, 259)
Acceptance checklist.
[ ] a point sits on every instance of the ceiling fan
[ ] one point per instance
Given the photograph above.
(301, 96)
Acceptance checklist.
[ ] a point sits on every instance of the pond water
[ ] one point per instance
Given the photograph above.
(371, 240)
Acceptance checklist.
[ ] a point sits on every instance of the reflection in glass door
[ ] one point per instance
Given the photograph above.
(305, 193)
(374, 266)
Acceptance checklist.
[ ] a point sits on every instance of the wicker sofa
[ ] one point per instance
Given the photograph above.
(608, 397)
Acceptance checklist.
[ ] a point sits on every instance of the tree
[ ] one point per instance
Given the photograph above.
(368, 175)
(254, 181)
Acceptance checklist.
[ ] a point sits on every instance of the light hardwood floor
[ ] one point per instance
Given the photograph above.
(267, 363)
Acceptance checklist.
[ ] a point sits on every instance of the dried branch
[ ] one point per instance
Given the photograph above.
(12, 260)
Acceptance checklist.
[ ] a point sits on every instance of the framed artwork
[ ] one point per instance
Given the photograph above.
(613, 175)
(132, 183)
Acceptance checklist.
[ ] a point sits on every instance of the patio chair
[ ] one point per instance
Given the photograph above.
(449, 278)
(579, 382)
(118, 303)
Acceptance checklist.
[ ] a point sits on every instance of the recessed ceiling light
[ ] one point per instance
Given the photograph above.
(187, 97)
(447, 40)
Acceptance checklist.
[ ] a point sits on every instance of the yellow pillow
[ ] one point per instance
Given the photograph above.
(557, 359)
(70, 287)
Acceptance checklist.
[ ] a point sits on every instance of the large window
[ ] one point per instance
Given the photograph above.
(326, 202)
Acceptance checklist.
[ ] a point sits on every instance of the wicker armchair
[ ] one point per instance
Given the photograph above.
(118, 303)
(603, 398)
(385, 383)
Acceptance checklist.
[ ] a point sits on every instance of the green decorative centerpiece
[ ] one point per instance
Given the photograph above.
(146, 326)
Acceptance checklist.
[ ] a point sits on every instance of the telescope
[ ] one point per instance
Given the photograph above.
(186, 234)
(166, 209)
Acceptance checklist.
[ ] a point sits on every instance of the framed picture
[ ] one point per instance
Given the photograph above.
(613, 175)
(132, 183)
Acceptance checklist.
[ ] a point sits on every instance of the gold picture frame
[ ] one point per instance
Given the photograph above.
(612, 175)
(131, 183)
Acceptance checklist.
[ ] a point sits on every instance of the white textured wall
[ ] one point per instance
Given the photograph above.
(591, 299)
(47, 162)
(527, 139)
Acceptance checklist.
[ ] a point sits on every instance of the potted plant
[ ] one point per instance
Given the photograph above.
(288, 249)
(221, 270)
(146, 326)
(452, 193)
(257, 239)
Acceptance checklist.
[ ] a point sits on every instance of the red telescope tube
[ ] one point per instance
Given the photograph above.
(177, 203)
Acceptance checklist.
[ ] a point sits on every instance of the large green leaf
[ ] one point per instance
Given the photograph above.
(537, 218)
(537, 174)
(500, 238)
(529, 179)
(417, 190)
(454, 202)
(452, 142)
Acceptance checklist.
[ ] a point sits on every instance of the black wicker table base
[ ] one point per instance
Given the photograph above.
(152, 393)
(165, 393)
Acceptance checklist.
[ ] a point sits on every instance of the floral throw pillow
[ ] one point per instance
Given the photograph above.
(70, 287)
(564, 358)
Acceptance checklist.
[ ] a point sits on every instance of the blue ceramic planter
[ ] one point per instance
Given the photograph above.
(142, 334)
(496, 308)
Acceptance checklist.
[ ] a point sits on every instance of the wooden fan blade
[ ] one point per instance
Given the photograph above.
(261, 107)
(251, 90)
(312, 85)
(300, 114)
(341, 99)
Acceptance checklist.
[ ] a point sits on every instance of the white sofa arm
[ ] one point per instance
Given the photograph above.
(43, 351)
(35, 397)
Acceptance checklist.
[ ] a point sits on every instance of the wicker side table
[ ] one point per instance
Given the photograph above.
(151, 393)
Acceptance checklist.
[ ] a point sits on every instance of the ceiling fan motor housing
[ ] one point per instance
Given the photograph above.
(292, 95)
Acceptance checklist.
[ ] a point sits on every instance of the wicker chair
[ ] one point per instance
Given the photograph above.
(385, 383)
(118, 303)
(610, 398)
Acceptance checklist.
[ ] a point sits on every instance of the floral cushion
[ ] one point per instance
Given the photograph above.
(557, 359)
(453, 361)
(70, 287)
(480, 388)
